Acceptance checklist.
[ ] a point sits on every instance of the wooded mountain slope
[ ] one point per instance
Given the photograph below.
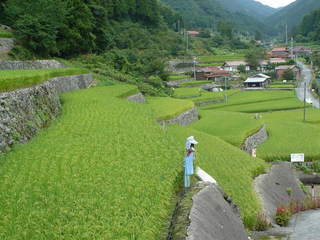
(292, 14)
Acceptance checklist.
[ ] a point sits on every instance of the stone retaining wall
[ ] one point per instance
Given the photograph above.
(184, 118)
(6, 45)
(213, 216)
(27, 65)
(24, 112)
(255, 140)
(207, 102)
(137, 98)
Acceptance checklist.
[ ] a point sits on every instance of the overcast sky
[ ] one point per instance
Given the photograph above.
(276, 3)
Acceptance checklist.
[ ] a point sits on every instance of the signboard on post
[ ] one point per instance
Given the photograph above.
(297, 157)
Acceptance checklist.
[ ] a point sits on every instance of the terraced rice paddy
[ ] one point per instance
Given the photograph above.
(259, 101)
(104, 170)
(232, 127)
(14, 79)
(187, 92)
(166, 108)
(289, 134)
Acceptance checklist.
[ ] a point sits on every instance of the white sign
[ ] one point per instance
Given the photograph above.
(297, 157)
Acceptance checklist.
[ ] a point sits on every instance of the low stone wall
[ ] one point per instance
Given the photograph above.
(25, 111)
(27, 65)
(137, 98)
(176, 83)
(272, 188)
(207, 102)
(213, 216)
(255, 140)
(183, 119)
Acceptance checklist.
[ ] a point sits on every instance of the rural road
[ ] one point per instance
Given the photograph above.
(306, 226)
(306, 77)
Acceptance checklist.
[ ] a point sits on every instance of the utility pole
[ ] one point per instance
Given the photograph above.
(225, 89)
(305, 101)
(286, 34)
(194, 68)
(292, 57)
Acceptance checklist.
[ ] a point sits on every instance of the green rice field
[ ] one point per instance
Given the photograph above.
(194, 83)
(233, 127)
(178, 77)
(280, 85)
(221, 58)
(166, 108)
(187, 92)
(97, 173)
(15, 79)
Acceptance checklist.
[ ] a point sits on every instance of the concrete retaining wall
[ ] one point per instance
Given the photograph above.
(183, 119)
(137, 98)
(272, 188)
(25, 111)
(212, 217)
(25, 65)
(255, 140)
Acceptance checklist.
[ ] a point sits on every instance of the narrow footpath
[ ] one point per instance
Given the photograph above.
(306, 77)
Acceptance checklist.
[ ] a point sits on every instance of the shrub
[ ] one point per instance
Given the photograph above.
(262, 222)
(283, 216)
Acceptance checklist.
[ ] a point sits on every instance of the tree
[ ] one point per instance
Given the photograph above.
(254, 57)
(241, 68)
(288, 75)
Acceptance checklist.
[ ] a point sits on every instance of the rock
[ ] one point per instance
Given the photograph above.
(212, 217)
(137, 98)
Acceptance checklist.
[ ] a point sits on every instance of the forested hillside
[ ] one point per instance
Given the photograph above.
(292, 14)
(309, 29)
(68, 28)
(209, 13)
(249, 7)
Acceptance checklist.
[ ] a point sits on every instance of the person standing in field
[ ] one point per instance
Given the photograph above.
(188, 160)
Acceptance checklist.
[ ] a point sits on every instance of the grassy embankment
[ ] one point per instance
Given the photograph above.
(5, 34)
(178, 77)
(14, 79)
(194, 83)
(221, 58)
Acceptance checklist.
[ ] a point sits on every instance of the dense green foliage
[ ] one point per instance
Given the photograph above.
(92, 175)
(211, 13)
(255, 56)
(309, 29)
(69, 28)
(292, 14)
(13, 79)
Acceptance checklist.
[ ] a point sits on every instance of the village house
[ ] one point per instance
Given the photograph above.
(232, 66)
(281, 69)
(193, 33)
(211, 73)
(257, 81)
(263, 66)
(277, 60)
(279, 52)
(301, 51)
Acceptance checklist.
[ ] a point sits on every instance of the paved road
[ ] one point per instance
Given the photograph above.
(306, 226)
(306, 76)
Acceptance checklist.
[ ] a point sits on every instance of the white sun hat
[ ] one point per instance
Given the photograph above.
(190, 140)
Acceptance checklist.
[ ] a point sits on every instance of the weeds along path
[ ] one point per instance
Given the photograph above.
(104, 170)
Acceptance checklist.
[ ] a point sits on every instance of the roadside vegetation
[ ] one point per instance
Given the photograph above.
(5, 34)
(14, 79)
